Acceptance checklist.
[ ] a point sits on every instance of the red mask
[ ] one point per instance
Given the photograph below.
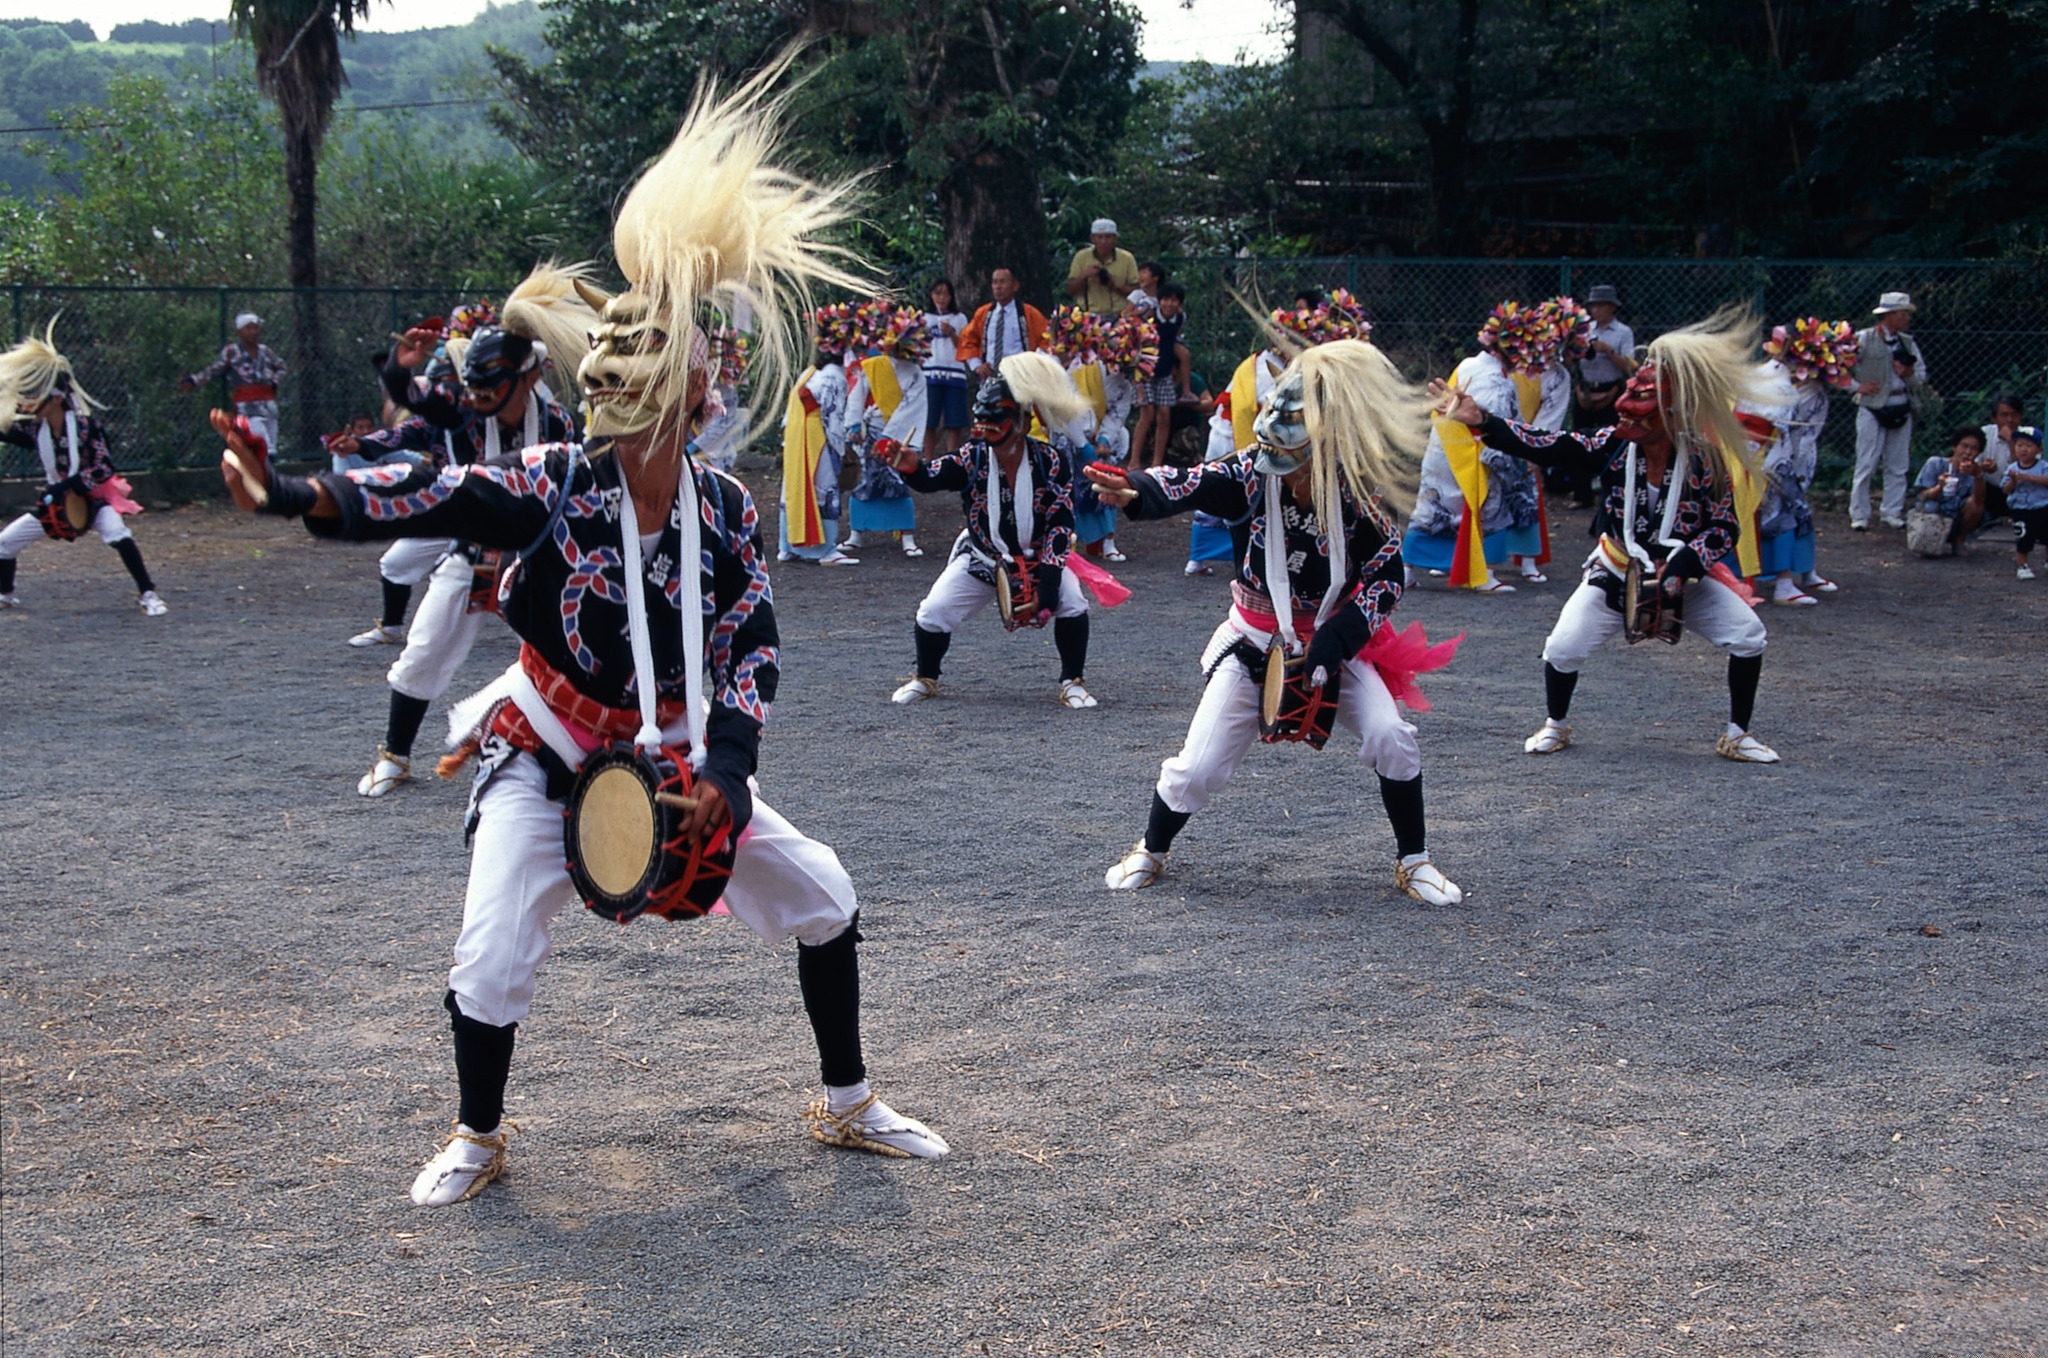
(1639, 410)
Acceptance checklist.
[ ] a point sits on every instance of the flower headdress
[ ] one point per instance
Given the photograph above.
(1341, 317)
(465, 321)
(1813, 349)
(1571, 329)
(1517, 335)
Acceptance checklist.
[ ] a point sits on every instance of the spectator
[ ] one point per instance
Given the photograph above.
(1890, 370)
(1610, 358)
(2026, 495)
(1000, 328)
(1952, 491)
(1168, 384)
(1144, 299)
(945, 377)
(1102, 275)
(2005, 418)
(1308, 297)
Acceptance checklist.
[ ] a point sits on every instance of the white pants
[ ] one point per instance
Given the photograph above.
(262, 417)
(957, 596)
(409, 561)
(26, 529)
(443, 629)
(783, 886)
(1711, 609)
(1876, 444)
(1227, 723)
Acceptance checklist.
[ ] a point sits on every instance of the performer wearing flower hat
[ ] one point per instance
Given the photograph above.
(1318, 571)
(253, 370)
(647, 621)
(1812, 355)
(1667, 521)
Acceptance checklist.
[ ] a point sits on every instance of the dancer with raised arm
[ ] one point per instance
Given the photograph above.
(650, 647)
(1668, 519)
(1306, 643)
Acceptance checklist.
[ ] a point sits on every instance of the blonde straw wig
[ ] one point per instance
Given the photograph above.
(1703, 372)
(32, 371)
(1366, 424)
(1038, 381)
(547, 308)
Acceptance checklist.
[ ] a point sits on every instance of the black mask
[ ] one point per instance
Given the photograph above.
(995, 411)
(495, 360)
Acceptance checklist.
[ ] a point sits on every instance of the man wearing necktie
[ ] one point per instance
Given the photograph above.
(1003, 327)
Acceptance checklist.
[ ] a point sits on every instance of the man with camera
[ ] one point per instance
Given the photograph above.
(1610, 358)
(1890, 370)
(1102, 276)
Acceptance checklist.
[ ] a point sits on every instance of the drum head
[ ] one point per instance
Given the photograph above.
(77, 511)
(1276, 687)
(615, 834)
(1003, 593)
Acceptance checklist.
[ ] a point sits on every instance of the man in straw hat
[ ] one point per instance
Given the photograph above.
(621, 626)
(253, 370)
(45, 409)
(1318, 571)
(1668, 518)
(1891, 368)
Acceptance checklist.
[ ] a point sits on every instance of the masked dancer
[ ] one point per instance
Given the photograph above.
(1318, 571)
(1017, 550)
(1667, 521)
(647, 620)
(50, 413)
(498, 410)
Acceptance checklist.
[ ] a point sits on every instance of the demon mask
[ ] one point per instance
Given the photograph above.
(1639, 410)
(1282, 430)
(995, 412)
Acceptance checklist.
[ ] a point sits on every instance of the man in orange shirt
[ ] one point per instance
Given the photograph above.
(1003, 327)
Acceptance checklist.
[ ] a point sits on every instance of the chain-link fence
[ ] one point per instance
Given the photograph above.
(1979, 324)
(129, 347)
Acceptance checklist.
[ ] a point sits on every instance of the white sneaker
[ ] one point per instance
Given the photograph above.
(838, 558)
(1074, 696)
(1550, 737)
(868, 1124)
(1136, 870)
(153, 606)
(1745, 749)
(387, 773)
(380, 635)
(464, 1166)
(1859, 525)
(1425, 881)
(2023, 573)
(915, 690)
(1892, 521)
(7, 601)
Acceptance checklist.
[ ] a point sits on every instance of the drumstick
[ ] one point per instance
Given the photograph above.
(677, 800)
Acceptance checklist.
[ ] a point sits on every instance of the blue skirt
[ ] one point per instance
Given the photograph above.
(1429, 551)
(1093, 525)
(1209, 540)
(898, 515)
(1781, 552)
(1514, 542)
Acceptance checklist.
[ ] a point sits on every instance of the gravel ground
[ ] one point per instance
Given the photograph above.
(1715, 1059)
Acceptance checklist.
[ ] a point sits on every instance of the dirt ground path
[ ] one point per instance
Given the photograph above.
(1714, 1059)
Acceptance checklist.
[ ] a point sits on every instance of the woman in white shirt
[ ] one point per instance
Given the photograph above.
(945, 377)
(2005, 418)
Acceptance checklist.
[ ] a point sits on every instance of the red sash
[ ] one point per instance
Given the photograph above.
(585, 717)
(250, 395)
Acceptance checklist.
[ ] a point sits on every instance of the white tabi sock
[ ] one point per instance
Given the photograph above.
(839, 1098)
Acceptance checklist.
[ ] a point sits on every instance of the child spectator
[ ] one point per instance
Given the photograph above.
(945, 376)
(1169, 382)
(1950, 488)
(2026, 494)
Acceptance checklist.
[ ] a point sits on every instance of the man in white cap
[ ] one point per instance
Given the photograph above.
(1102, 276)
(253, 370)
(1890, 369)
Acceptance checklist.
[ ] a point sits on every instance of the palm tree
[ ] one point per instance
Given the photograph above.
(297, 46)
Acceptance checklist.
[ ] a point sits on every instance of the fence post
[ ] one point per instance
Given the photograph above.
(1564, 277)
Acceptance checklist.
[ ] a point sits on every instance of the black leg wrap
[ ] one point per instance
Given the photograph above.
(396, 597)
(483, 1060)
(829, 976)
(1070, 635)
(1404, 812)
(403, 725)
(131, 557)
(6, 575)
(1743, 673)
(1557, 691)
(1163, 824)
(931, 651)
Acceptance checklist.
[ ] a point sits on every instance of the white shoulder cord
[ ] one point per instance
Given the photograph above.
(1681, 466)
(1279, 587)
(691, 590)
(46, 448)
(1025, 500)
